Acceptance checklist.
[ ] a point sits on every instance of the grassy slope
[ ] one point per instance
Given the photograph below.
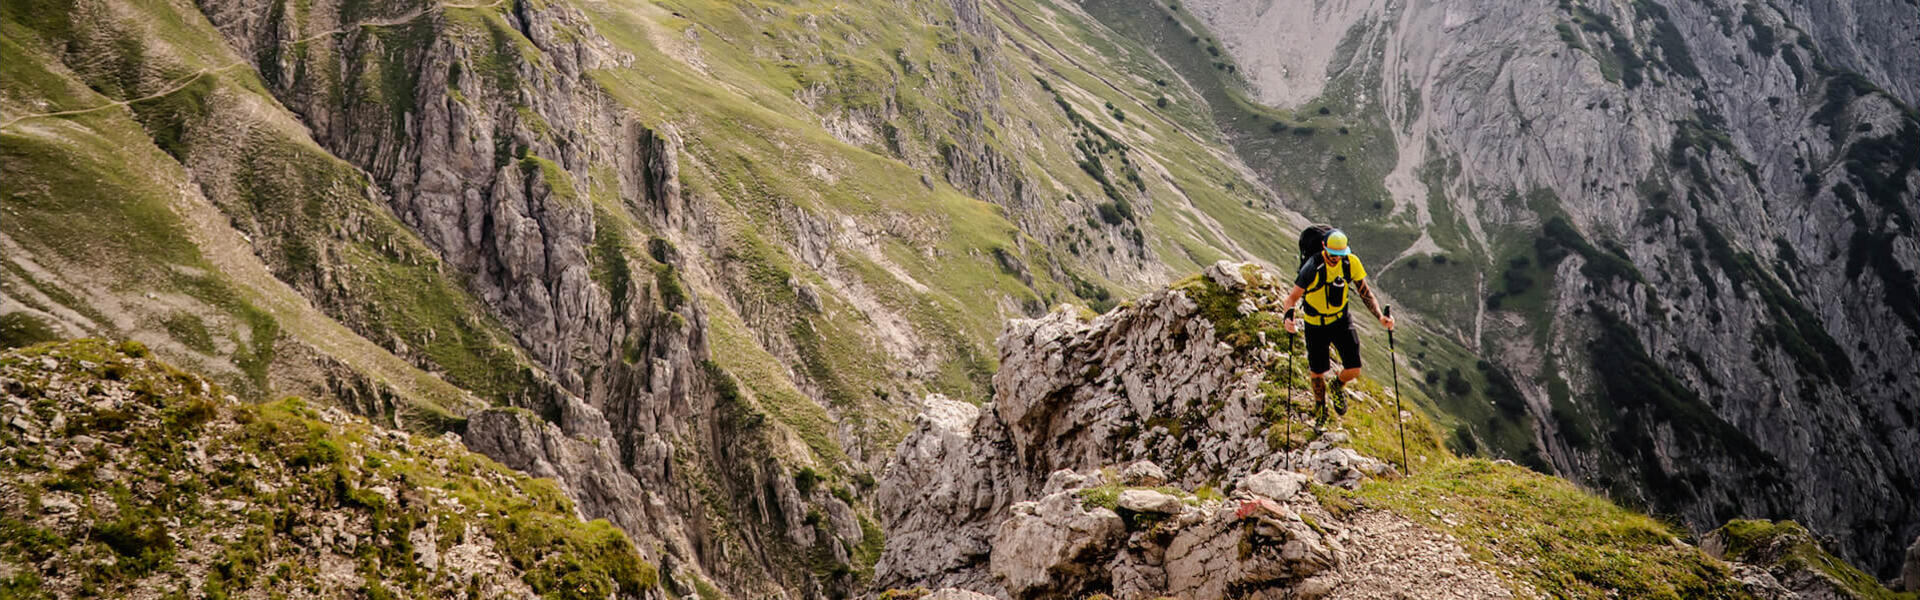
(1564, 541)
(736, 74)
(306, 215)
(147, 522)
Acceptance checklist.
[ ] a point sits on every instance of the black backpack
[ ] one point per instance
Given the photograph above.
(1313, 239)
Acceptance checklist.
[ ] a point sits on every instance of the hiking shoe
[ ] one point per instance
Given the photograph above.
(1320, 416)
(1338, 390)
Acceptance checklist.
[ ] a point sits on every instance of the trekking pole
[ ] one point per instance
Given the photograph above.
(1290, 339)
(1392, 358)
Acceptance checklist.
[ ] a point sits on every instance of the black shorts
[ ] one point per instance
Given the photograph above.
(1338, 334)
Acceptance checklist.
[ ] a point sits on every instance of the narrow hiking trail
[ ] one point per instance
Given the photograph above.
(183, 82)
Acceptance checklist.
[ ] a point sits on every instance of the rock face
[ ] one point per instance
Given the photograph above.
(518, 170)
(1053, 546)
(1910, 569)
(1056, 489)
(1745, 173)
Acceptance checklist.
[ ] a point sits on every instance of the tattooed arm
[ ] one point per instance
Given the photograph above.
(1366, 298)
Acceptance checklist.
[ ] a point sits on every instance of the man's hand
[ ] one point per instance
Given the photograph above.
(1293, 325)
(1387, 322)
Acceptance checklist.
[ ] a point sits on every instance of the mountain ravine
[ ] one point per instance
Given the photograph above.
(941, 298)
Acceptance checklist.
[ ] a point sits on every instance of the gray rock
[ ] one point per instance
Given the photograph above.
(1054, 547)
(1761, 584)
(1209, 559)
(1278, 485)
(1143, 473)
(1312, 589)
(1910, 570)
(1342, 466)
(1070, 403)
(1228, 274)
(1065, 479)
(1150, 501)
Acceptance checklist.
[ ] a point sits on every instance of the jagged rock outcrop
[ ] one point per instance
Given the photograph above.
(1053, 546)
(1057, 488)
(1783, 560)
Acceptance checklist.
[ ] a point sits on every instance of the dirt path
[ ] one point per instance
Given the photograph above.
(1390, 557)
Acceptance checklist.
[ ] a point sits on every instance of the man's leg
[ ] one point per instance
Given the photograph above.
(1319, 359)
(1318, 381)
(1348, 345)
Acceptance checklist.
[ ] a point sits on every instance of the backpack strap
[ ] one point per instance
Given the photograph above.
(1319, 276)
(1320, 281)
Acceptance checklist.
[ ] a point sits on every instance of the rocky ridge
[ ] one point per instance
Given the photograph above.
(1057, 488)
(1098, 469)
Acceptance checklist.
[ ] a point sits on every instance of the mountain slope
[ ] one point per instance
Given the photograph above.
(698, 261)
(128, 478)
(1721, 194)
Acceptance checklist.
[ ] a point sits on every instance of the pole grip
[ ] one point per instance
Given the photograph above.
(1387, 311)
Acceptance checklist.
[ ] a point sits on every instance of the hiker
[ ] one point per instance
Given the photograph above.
(1328, 267)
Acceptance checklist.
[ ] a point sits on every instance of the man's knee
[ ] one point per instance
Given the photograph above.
(1317, 375)
(1350, 374)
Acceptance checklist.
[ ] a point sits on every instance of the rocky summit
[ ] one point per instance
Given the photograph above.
(956, 298)
(1085, 477)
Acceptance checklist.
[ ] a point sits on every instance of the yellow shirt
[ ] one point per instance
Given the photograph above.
(1329, 290)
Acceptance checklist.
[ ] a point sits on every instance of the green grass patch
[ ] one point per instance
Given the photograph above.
(1562, 540)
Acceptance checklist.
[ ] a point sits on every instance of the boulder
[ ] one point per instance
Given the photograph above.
(1143, 473)
(1150, 501)
(1227, 552)
(1278, 485)
(1229, 274)
(1054, 547)
(1342, 467)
